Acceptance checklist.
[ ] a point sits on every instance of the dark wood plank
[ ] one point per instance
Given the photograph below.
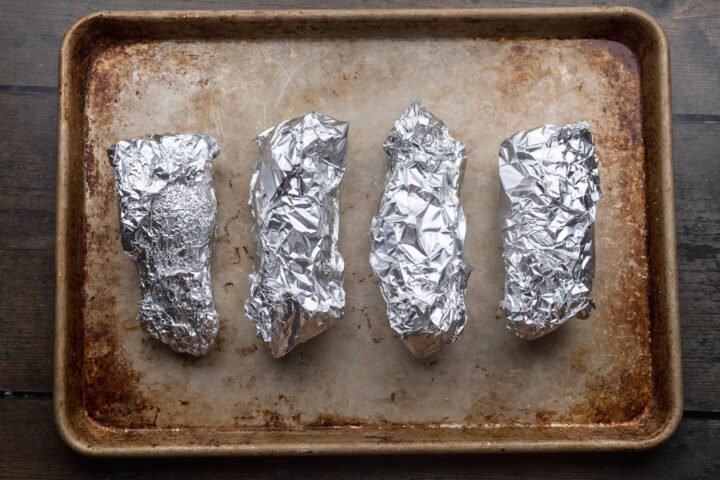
(27, 230)
(29, 44)
(28, 122)
(31, 448)
(693, 31)
(698, 232)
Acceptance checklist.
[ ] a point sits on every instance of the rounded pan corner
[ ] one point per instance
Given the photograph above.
(70, 434)
(664, 429)
(79, 436)
(646, 23)
(82, 24)
(645, 19)
(668, 429)
(672, 421)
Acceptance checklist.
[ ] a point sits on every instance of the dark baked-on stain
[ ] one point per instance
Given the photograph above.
(109, 386)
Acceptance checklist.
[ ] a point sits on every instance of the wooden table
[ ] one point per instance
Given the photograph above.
(29, 445)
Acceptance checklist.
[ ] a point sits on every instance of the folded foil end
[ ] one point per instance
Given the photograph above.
(167, 217)
(296, 288)
(431, 337)
(291, 327)
(418, 233)
(550, 180)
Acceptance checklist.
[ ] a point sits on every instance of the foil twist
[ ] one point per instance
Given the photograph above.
(550, 181)
(167, 217)
(418, 233)
(296, 288)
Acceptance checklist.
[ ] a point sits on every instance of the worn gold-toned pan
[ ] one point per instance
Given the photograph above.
(611, 382)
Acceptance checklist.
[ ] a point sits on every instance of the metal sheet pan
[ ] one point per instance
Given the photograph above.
(612, 382)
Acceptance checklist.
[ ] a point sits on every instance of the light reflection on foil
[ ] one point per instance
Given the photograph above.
(418, 233)
(167, 217)
(550, 181)
(296, 288)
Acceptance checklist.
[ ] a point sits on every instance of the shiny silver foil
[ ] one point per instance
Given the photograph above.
(418, 233)
(167, 216)
(550, 181)
(296, 288)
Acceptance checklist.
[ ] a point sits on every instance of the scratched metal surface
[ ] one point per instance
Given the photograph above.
(588, 372)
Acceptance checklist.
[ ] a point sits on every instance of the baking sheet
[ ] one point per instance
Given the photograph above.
(590, 376)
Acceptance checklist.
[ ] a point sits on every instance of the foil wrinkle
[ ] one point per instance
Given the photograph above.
(296, 288)
(418, 233)
(167, 218)
(550, 183)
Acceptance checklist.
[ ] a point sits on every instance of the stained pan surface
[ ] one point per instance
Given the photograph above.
(611, 382)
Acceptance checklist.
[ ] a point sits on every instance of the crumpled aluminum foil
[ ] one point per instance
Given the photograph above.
(418, 233)
(551, 185)
(296, 288)
(167, 216)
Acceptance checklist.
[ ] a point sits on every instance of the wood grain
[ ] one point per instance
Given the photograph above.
(29, 446)
(32, 449)
(30, 46)
(698, 235)
(27, 243)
